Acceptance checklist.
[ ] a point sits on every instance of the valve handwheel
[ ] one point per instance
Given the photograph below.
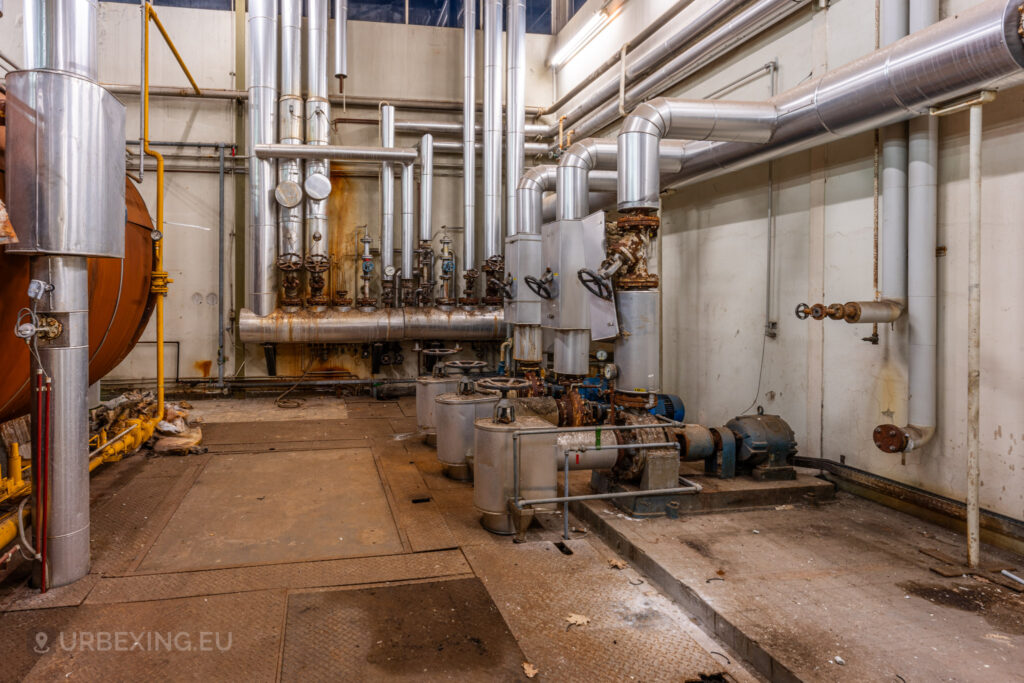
(438, 352)
(595, 284)
(466, 365)
(505, 288)
(803, 311)
(503, 384)
(538, 286)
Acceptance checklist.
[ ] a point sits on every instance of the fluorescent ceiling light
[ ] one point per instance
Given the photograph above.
(591, 28)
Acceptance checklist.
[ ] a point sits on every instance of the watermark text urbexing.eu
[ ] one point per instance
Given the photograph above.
(132, 641)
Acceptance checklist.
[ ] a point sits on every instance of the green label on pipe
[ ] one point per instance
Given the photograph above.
(597, 438)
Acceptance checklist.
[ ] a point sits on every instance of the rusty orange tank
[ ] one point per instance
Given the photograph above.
(119, 303)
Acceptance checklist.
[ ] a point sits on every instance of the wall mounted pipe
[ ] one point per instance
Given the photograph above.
(387, 193)
(492, 127)
(894, 25)
(261, 128)
(737, 31)
(455, 129)
(469, 136)
(426, 187)
(289, 194)
(337, 153)
(978, 49)
(408, 220)
(514, 112)
(529, 195)
(340, 53)
(573, 174)
(640, 138)
(385, 324)
(318, 120)
(451, 147)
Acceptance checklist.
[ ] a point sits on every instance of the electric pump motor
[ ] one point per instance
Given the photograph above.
(765, 443)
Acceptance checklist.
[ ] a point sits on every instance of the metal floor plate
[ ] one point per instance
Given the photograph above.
(440, 630)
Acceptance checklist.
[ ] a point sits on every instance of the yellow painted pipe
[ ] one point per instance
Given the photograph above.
(14, 485)
(9, 526)
(130, 441)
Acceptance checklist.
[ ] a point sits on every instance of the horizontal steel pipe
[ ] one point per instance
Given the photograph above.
(335, 152)
(455, 129)
(385, 324)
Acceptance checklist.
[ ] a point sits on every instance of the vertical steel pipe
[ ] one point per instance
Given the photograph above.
(61, 35)
(492, 127)
(261, 128)
(894, 25)
(318, 120)
(426, 187)
(515, 113)
(340, 40)
(290, 247)
(469, 135)
(387, 194)
(974, 343)
(408, 220)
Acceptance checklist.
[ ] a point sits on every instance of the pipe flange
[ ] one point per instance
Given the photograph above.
(317, 186)
(890, 438)
(288, 194)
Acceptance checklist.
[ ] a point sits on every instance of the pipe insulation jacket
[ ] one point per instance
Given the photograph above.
(318, 120)
(290, 112)
(469, 136)
(387, 193)
(408, 220)
(514, 112)
(384, 324)
(492, 127)
(426, 187)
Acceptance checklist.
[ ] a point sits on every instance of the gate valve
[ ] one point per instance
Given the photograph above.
(504, 410)
(541, 286)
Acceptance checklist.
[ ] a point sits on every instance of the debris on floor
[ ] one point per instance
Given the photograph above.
(179, 433)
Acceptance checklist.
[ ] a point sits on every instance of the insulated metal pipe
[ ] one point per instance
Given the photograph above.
(894, 25)
(289, 194)
(318, 120)
(387, 195)
(455, 129)
(922, 267)
(737, 31)
(384, 324)
(469, 135)
(261, 126)
(450, 146)
(426, 187)
(977, 49)
(336, 153)
(340, 53)
(492, 127)
(408, 220)
(61, 35)
(974, 343)
(573, 188)
(529, 195)
(640, 138)
(514, 112)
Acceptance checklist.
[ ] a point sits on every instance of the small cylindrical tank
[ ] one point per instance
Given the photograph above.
(493, 478)
(637, 353)
(445, 380)
(455, 415)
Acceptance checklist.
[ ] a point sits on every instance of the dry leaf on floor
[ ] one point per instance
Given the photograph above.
(616, 563)
(530, 670)
(576, 620)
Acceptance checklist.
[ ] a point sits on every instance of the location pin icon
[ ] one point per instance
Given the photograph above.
(41, 639)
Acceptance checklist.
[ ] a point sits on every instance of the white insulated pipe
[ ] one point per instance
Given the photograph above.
(318, 120)
(893, 25)
(492, 127)
(426, 187)
(922, 266)
(469, 136)
(261, 128)
(974, 343)
(387, 194)
(515, 113)
(408, 220)
(289, 193)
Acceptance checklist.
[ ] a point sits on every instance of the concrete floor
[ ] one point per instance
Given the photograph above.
(328, 545)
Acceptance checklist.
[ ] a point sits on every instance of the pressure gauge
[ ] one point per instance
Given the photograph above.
(389, 272)
(610, 371)
(602, 355)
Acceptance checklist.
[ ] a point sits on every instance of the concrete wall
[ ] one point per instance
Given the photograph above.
(828, 383)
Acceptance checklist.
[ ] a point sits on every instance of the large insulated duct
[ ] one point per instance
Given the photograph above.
(336, 153)
(492, 127)
(978, 49)
(387, 195)
(739, 30)
(65, 190)
(426, 187)
(384, 324)
(261, 128)
(469, 136)
(289, 194)
(318, 172)
(515, 113)
(340, 53)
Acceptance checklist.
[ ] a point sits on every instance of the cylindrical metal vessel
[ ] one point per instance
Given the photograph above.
(455, 415)
(527, 343)
(493, 478)
(637, 349)
(572, 352)
(61, 34)
(428, 388)
(586, 459)
(65, 162)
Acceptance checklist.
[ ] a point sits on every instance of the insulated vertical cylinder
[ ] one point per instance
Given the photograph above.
(387, 193)
(637, 349)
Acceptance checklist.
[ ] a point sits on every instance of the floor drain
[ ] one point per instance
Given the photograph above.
(421, 500)
(563, 548)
